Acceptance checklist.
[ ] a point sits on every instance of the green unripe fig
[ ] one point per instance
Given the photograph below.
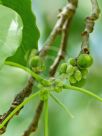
(44, 94)
(70, 70)
(63, 68)
(72, 80)
(72, 61)
(84, 61)
(35, 61)
(58, 86)
(78, 75)
(34, 52)
(30, 54)
(36, 64)
(79, 83)
(58, 89)
(84, 72)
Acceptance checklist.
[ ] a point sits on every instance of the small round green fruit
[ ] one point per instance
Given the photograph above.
(72, 80)
(72, 61)
(84, 61)
(44, 94)
(79, 83)
(84, 72)
(63, 68)
(58, 89)
(70, 70)
(78, 75)
(35, 61)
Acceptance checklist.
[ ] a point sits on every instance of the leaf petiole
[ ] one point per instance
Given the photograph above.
(33, 74)
(82, 90)
(18, 108)
(62, 105)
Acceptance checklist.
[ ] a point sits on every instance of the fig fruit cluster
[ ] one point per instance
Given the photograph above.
(77, 69)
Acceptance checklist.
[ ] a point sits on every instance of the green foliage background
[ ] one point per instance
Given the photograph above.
(87, 111)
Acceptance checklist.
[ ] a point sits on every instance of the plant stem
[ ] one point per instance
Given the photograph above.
(18, 108)
(82, 90)
(46, 118)
(66, 13)
(62, 105)
(34, 75)
(19, 98)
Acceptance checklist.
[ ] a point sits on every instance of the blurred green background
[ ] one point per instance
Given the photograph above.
(87, 111)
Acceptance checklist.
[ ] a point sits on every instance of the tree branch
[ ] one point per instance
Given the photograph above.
(33, 126)
(66, 13)
(62, 50)
(90, 22)
(18, 100)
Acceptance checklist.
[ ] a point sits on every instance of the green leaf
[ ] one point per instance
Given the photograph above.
(30, 32)
(10, 32)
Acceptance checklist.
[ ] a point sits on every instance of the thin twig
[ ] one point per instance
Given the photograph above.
(62, 50)
(17, 101)
(63, 46)
(66, 13)
(33, 126)
(90, 22)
